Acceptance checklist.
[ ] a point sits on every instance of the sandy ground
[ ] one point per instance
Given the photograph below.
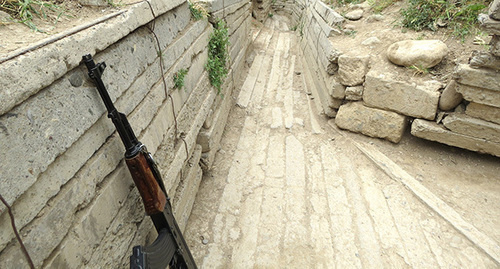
(284, 192)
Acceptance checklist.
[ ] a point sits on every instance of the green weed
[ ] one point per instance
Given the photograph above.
(179, 78)
(460, 16)
(380, 5)
(344, 2)
(24, 11)
(351, 33)
(218, 55)
(198, 12)
(419, 70)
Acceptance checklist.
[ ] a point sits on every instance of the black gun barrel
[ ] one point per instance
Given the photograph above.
(132, 145)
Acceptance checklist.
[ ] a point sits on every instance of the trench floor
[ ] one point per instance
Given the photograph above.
(290, 190)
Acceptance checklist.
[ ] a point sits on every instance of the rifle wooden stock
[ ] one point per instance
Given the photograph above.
(152, 195)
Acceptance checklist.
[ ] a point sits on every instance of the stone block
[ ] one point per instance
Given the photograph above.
(450, 98)
(188, 187)
(75, 249)
(488, 113)
(354, 93)
(115, 247)
(336, 90)
(217, 5)
(352, 69)
(432, 131)
(324, 26)
(372, 122)
(479, 95)
(82, 188)
(209, 139)
(478, 77)
(488, 24)
(466, 125)
(229, 10)
(328, 14)
(495, 45)
(381, 91)
(484, 59)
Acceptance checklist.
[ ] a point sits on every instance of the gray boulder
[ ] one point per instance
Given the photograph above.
(354, 15)
(419, 53)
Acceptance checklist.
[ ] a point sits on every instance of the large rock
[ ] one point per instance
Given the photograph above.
(434, 132)
(463, 124)
(354, 15)
(450, 98)
(352, 69)
(382, 91)
(488, 113)
(372, 122)
(494, 11)
(419, 53)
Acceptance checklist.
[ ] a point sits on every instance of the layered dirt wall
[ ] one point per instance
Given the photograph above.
(62, 165)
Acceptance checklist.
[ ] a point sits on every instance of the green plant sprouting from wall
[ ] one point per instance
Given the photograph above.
(198, 12)
(179, 78)
(218, 55)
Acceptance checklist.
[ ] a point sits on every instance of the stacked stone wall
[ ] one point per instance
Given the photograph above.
(63, 172)
(478, 85)
(384, 104)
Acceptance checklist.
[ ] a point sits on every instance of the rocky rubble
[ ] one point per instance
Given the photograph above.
(377, 102)
(477, 129)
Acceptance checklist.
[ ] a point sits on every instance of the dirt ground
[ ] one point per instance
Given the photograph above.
(15, 36)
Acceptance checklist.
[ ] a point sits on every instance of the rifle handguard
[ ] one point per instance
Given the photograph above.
(152, 195)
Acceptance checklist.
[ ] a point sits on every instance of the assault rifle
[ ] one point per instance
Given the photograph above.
(169, 248)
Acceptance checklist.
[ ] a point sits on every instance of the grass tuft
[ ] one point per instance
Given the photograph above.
(24, 11)
(459, 15)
